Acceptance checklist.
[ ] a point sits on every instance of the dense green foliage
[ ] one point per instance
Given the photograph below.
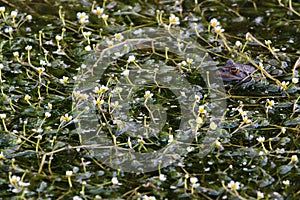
(47, 51)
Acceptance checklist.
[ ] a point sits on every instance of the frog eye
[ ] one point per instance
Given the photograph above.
(234, 70)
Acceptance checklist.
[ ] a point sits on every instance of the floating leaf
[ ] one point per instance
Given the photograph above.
(285, 169)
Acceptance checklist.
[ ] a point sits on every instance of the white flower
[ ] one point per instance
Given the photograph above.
(189, 60)
(145, 197)
(64, 80)
(69, 173)
(28, 48)
(268, 42)
(234, 185)
(66, 118)
(219, 145)
(49, 106)
(15, 180)
(214, 22)
(43, 63)
(174, 20)
(2, 156)
(83, 21)
(260, 139)
(119, 37)
(286, 182)
(171, 138)
(27, 97)
(100, 90)
(294, 159)
(8, 30)
(109, 43)
(40, 69)
(202, 110)
(197, 98)
(118, 89)
(98, 102)
(242, 112)
(131, 59)
(39, 137)
(125, 73)
(183, 63)
(1, 66)
(284, 85)
(2, 9)
(23, 184)
(162, 177)
(193, 180)
(104, 17)
(84, 96)
(213, 126)
(2, 116)
(87, 34)
(47, 114)
(29, 18)
(218, 30)
(82, 17)
(98, 11)
(260, 195)
(190, 149)
(246, 120)
(295, 80)
(117, 55)
(271, 103)
(115, 104)
(16, 54)
(148, 95)
(238, 43)
(114, 181)
(199, 120)
(261, 65)
(103, 88)
(14, 14)
(58, 38)
(88, 48)
(77, 198)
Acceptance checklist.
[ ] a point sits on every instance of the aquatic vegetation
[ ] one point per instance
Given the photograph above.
(89, 88)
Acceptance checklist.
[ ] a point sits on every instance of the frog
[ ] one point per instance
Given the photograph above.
(233, 72)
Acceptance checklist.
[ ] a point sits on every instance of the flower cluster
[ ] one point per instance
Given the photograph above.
(244, 115)
(17, 184)
(83, 18)
(100, 13)
(217, 28)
